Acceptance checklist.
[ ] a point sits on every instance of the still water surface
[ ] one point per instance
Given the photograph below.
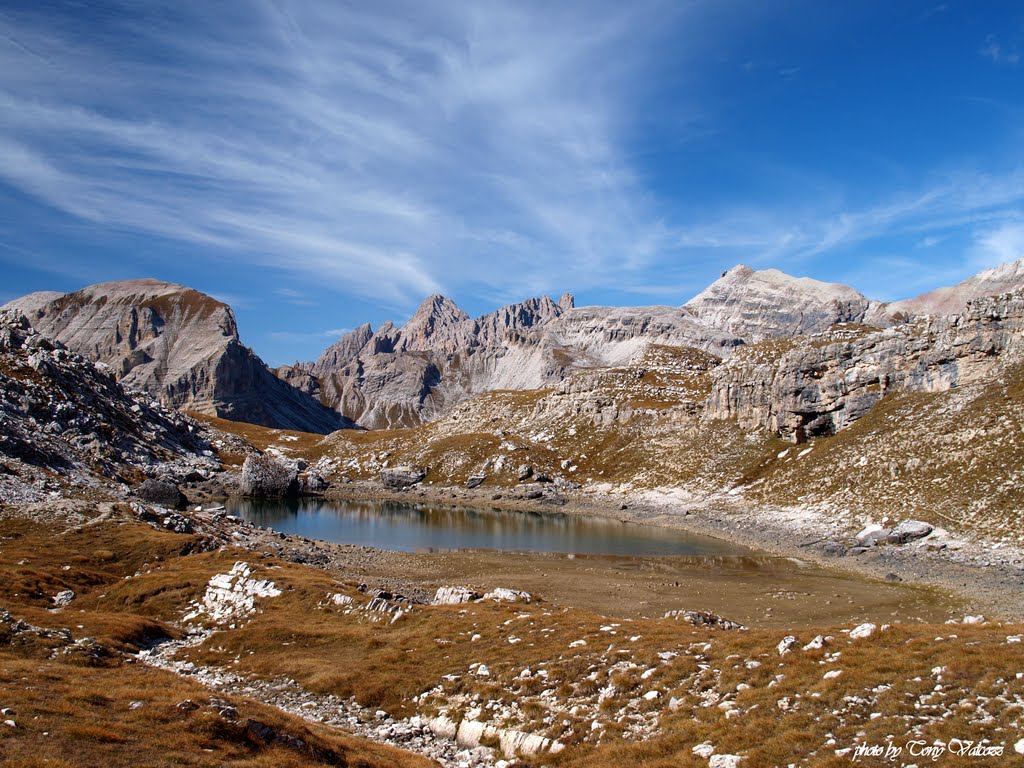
(409, 527)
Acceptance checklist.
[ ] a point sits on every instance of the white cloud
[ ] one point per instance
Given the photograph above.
(998, 53)
(387, 151)
(390, 150)
(998, 245)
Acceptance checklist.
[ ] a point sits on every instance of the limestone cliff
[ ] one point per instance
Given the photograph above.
(178, 344)
(817, 385)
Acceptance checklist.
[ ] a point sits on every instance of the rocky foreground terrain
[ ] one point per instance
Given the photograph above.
(141, 624)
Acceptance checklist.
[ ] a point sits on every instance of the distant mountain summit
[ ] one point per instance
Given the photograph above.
(768, 304)
(945, 301)
(183, 346)
(179, 344)
(403, 376)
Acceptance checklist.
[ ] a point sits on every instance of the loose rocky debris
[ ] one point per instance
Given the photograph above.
(413, 734)
(704, 619)
(63, 598)
(61, 642)
(67, 425)
(160, 517)
(382, 605)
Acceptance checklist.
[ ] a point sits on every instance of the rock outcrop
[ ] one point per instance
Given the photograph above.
(178, 344)
(817, 385)
(769, 304)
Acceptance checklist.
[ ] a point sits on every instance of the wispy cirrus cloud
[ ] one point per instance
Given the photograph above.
(492, 150)
(971, 200)
(999, 244)
(998, 52)
(386, 151)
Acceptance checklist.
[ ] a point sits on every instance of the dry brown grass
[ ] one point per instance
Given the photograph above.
(383, 664)
(954, 459)
(127, 715)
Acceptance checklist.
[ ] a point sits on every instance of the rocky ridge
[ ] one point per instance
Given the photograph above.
(400, 377)
(178, 344)
(408, 375)
(949, 300)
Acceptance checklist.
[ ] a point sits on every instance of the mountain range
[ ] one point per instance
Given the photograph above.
(183, 347)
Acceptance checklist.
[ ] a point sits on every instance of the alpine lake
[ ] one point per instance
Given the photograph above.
(618, 569)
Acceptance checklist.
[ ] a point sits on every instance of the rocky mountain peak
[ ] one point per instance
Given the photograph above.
(567, 302)
(436, 312)
(438, 323)
(1004, 278)
(179, 344)
(343, 351)
(761, 304)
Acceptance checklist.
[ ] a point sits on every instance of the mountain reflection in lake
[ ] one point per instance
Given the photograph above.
(411, 527)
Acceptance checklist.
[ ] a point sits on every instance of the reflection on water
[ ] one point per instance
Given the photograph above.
(424, 527)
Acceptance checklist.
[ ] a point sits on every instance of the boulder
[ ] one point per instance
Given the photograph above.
(475, 481)
(264, 475)
(910, 530)
(506, 595)
(872, 535)
(862, 631)
(786, 645)
(402, 476)
(524, 472)
(454, 596)
(312, 482)
(161, 492)
(724, 761)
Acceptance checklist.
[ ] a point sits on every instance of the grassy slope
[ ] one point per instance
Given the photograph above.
(130, 582)
(330, 649)
(955, 459)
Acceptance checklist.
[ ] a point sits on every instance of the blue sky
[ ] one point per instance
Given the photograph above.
(323, 164)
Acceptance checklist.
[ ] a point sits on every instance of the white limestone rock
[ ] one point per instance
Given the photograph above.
(231, 596)
(454, 595)
(862, 631)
